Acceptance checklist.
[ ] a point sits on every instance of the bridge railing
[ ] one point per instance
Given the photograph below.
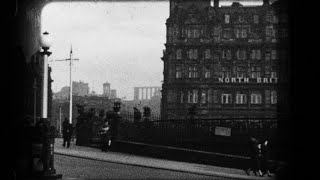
(214, 135)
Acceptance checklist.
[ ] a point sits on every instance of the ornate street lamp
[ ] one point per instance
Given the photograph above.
(48, 139)
(45, 42)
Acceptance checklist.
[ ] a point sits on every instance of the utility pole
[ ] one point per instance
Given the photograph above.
(70, 82)
(60, 120)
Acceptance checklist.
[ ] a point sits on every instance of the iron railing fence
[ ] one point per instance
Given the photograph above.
(201, 134)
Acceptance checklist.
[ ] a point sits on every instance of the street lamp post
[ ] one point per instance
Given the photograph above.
(48, 143)
(46, 42)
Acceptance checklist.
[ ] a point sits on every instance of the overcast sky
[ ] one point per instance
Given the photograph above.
(116, 42)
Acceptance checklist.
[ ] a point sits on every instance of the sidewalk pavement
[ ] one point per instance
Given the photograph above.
(128, 159)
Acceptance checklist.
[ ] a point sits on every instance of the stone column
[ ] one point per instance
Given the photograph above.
(136, 93)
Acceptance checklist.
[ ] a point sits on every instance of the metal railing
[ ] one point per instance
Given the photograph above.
(200, 134)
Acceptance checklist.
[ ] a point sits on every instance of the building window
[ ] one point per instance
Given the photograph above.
(189, 33)
(196, 33)
(273, 74)
(193, 54)
(226, 54)
(255, 72)
(178, 71)
(241, 54)
(179, 54)
(207, 54)
(256, 98)
(181, 97)
(243, 33)
(193, 33)
(207, 73)
(270, 33)
(227, 18)
(204, 95)
(255, 19)
(238, 32)
(255, 54)
(241, 98)
(267, 71)
(193, 72)
(226, 98)
(273, 97)
(269, 17)
(193, 96)
(241, 72)
(226, 72)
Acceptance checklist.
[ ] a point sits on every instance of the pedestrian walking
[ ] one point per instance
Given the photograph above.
(255, 154)
(105, 136)
(265, 157)
(67, 132)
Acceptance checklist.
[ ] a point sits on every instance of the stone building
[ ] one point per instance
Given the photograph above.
(229, 61)
(113, 94)
(80, 88)
(146, 93)
(106, 91)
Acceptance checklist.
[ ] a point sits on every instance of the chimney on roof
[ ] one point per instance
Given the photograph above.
(216, 3)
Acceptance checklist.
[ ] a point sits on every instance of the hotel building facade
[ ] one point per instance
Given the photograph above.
(227, 61)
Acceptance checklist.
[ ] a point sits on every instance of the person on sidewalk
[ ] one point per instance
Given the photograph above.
(67, 132)
(105, 136)
(265, 158)
(255, 155)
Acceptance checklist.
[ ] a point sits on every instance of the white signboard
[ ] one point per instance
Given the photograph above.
(222, 131)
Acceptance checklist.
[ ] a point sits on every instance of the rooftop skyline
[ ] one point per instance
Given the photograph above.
(120, 43)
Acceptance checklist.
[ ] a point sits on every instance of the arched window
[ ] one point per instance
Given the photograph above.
(178, 71)
(256, 98)
(204, 95)
(207, 54)
(193, 72)
(179, 54)
(241, 98)
(193, 96)
(226, 98)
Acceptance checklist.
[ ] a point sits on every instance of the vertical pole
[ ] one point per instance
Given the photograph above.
(60, 120)
(70, 93)
(35, 102)
(45, 87)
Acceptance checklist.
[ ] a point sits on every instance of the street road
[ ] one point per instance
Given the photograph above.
(79, 168)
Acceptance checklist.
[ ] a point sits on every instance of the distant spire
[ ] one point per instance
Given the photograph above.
(71, 49)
